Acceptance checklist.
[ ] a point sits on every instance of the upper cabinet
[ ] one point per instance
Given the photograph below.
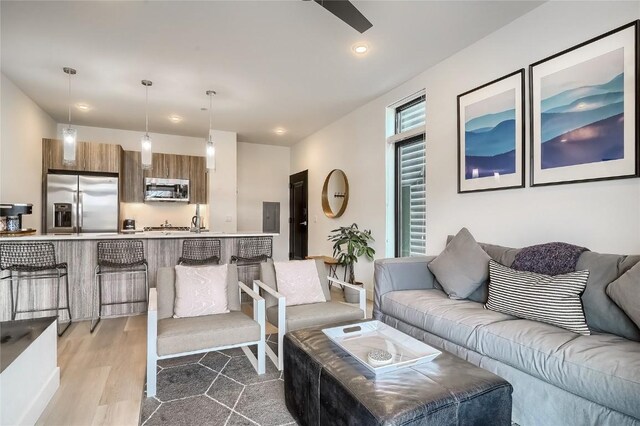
(164, 166)
(168, 166)
(90, 157)
(198, 180)
(131, 178)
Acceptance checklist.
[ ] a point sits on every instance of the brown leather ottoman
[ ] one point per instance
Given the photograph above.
(326, 386)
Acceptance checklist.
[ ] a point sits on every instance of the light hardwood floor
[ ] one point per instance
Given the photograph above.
(102, 374)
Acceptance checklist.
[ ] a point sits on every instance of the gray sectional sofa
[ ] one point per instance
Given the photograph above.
(559, 377)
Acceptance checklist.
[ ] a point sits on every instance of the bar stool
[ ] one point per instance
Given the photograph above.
(200, 251)
(34, 261)
(118, 257)
(251, 252)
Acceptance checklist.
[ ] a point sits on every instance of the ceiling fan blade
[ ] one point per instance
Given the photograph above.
(347, 12)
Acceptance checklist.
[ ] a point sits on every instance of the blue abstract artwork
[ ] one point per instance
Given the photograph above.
(490, 136)
(582, 112)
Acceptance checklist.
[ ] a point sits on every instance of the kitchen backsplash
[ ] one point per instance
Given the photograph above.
(155, 214)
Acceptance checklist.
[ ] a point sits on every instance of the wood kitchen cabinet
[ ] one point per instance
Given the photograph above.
(199, 180)
(164, 166)
(90, 157)
(131, 178)
(169, 166)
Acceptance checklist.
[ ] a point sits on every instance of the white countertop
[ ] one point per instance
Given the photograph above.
(137, 235)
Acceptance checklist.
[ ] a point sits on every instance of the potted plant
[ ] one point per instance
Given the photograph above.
(350, 243)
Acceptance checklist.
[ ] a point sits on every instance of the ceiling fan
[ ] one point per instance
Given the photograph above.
(347, 12)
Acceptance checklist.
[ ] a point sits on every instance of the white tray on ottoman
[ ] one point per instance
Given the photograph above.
(360, 340)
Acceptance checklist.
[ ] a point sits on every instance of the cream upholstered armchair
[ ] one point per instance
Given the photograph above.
(169, 337)
(291, 318)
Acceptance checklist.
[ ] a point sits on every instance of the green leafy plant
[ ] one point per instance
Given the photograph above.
(350, 243)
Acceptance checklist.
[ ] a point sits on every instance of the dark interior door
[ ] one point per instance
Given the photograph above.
(298, 229)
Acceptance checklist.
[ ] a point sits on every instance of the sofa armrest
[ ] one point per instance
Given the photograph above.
(403, 273)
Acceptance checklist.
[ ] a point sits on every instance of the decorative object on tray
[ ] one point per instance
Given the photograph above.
(379, 347)
(378, 357)
(350, 243)
(491, 135)
(584, 104)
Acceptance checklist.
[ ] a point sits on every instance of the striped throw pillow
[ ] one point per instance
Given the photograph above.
(551, 299)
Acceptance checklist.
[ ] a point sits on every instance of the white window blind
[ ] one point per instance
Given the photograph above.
(411, 116)
(411, 198)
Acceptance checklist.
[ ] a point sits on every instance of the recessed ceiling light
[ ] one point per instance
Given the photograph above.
(280, 131)
(83, 107)
(175, 118)
(360, 48)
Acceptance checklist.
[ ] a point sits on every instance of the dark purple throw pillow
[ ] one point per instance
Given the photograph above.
(549, 259)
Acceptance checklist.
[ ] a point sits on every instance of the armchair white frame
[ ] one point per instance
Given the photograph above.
(277, 359)
(152, 338)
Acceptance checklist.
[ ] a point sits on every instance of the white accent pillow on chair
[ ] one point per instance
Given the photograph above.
(298, 282)
(200, 290)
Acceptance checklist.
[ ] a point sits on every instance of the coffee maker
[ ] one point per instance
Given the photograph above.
(11, 218)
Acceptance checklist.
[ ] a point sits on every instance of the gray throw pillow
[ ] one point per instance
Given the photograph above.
(462, 267)
(625, 292)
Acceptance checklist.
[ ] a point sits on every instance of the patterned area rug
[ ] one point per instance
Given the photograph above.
(216, 388)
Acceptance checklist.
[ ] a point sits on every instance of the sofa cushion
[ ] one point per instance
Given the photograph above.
(503, 255)
(554, 300)
(298, 282)
(625, 291)
(177, 335)
(433, 311)
(302, 316)
(601, 312)
(462, 267)
(165, 285)
(268, 277)
(602, 368)
(200, 291)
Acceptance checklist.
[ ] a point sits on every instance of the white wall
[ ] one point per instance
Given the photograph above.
(222, 212)
(604, 216)
(23, 125)
(263, 175)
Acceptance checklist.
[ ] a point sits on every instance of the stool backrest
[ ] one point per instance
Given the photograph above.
(27, 256)
(255, 249)
(200, 251)
(121, 253)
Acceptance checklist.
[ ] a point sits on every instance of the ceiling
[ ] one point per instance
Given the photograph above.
(274, 64)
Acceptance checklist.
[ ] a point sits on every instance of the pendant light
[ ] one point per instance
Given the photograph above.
(145, 142)
(69, 135)
(211, 148)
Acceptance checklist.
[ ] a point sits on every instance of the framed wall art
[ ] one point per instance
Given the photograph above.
(584, 104)
(491, 135)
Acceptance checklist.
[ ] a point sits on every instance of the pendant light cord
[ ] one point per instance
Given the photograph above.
(210, 112)
(146, 110)
(69, 106)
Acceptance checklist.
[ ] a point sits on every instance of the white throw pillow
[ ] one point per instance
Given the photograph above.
(200, 291)
(298, 282)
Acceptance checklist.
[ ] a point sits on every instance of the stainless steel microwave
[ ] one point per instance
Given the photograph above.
(174, 190)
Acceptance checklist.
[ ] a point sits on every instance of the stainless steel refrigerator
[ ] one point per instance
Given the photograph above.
(81, 203)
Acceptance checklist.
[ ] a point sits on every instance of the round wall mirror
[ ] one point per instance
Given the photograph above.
(335, 194)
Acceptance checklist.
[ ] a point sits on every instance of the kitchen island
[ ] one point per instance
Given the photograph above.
(79, 251)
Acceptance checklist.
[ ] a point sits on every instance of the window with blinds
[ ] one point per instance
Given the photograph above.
(411, 199)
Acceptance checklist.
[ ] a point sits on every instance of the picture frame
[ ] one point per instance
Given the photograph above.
(491, 135)
(584, 104)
